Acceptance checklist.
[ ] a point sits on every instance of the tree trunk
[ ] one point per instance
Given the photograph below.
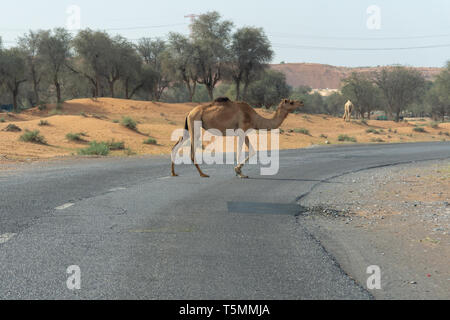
(126, 89)
(15, 94)
(210, 92)
(238, 89)
(58, 91)
(244, 95)
(111, 88)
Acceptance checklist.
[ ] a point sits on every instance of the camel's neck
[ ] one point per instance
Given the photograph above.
(272, 123)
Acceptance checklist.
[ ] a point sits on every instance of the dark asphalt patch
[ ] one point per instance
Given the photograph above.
(265, 208)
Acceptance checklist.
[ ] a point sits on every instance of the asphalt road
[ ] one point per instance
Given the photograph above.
(137, 233)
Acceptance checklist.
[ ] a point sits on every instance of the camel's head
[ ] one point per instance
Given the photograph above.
(291, 105)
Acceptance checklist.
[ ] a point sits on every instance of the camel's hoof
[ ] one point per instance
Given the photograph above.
(174, 175)
(243, 177)
(204, 176)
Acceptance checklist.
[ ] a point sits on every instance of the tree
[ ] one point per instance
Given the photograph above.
(362, 92)
(400, 86)
(117, 56)
(211, 38)
(182, 60)
(30, 44)
(250, 51)
(155, 55)
(269, 90)
(92, 48)
(12, 72)
(55, 49)
(335, 103)
(440, 93)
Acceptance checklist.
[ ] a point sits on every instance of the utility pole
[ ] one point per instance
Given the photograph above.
(192, 17)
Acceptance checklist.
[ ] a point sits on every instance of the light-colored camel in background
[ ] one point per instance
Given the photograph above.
(223, 114)
(348, 111)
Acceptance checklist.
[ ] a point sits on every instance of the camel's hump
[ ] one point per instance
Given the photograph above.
(222, 99)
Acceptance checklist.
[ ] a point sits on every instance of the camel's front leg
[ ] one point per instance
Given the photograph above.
(195, 136)
(251, 153)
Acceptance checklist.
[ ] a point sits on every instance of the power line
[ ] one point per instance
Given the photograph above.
(284, 35)
(288, 46)
(111, 29)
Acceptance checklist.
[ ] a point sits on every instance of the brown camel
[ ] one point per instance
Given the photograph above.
(348, 111)
(223, 114)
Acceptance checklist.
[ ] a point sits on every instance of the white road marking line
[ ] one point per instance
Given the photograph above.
(117, 189)
(64, 206)
(6, 237)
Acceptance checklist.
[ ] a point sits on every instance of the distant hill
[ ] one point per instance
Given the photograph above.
(323, 76)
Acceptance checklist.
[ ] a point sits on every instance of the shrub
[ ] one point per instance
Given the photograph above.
(116, 121)
(43, 123)
(371, 130)
(2, 120)
(434, 125)
(33, 136)
(129, 152)
(377, 140)
(324, 136)
(129, 123)
(419, 129)
(116, 145)
(12, 128)
(344, 137)
(74, 137)
(302, 131)
(150, 141)
(95, 149)
(42, 106)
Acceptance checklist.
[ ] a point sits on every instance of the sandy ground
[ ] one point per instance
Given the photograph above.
(397, 218)
(98, 120)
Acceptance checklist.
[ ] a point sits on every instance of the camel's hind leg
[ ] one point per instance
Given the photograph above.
(251, 153)
(175, 150)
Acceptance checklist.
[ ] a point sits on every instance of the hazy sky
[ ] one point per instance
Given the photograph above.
(318, 31)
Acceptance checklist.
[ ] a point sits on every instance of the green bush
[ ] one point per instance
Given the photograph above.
(12, 128)
(302, 131)
(344, 137)
(116, 145)
(419, 129)
(371, 130)
(33, 136)
(2, 120)
(434, 125)
(43, 123)
(129, 123)
(150, 141)
(95, 149)
(42, 106)
(74, 137)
